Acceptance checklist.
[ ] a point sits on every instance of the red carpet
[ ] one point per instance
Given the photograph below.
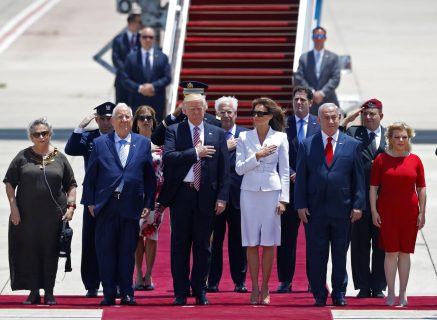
(224, 304)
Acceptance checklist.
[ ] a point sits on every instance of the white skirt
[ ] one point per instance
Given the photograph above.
(260, 224)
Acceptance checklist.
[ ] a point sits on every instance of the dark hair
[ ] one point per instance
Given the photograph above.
(137, 114)
(307, 90)
(319, 28)
(132, 16)
(278, 121)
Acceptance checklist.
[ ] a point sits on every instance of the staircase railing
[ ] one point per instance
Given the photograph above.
(305, 24)
(173, 45)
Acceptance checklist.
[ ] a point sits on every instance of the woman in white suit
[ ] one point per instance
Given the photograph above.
(262, 157)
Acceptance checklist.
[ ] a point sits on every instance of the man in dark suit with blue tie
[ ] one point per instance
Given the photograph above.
(226, 109)
(319, 69)
(329, 195)
(367, 273)
(81, 143)
(146, 75)
(119, 188)
(122, 45)
(196, 186)
(301, 124)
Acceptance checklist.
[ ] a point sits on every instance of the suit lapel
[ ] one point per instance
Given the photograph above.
(382, 141)
(338, 148)
(132, 148)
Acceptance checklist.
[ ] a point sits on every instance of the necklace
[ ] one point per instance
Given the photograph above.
(43, 160)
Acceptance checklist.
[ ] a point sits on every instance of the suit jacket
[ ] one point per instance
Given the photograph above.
(312, 128)
(105, 172)
(269, 173)
(234, 194)
(120, 49)
(329, 191)
(81, 144)
(329, 78)
(360, 133)
(134, 75)
(180, 155)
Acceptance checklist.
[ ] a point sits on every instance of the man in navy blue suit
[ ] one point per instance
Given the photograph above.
(122, 45)
(119, 188)
(146, 75)
(301, 124)
(81, 143)
(196, 186)
(226, 108)
(319, 69)
(329, 195)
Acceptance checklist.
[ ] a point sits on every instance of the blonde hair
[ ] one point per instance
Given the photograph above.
(401, 126)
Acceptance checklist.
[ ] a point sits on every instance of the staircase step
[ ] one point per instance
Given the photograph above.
(242, 15)
(249, 24)
(237, 63)
(232, 55)
(236, 7)
(239, 47)
(240, 2)
(252, 40)
(237, 71)
(240, 80)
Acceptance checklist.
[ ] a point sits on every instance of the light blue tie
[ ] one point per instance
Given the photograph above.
(122, 154)
(301, 133)
(228, 135)
(317, 57)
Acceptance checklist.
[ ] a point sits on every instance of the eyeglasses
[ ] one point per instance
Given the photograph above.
(147, 37)
(144, 118)
(259, 114)
(319, 36)
(40, 134)
(226, 112)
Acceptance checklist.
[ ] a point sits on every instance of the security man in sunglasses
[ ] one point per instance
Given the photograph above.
(81, 143)
(319, 69)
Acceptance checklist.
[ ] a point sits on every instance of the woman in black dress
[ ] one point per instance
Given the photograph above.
(41, 190)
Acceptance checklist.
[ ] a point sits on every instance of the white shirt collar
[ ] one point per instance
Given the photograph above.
(305, 118)
(377, 131)
(334, 136)
(150, 51)
(117, 138)
(200, 126)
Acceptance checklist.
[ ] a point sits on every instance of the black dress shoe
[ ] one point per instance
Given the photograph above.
(49, 299)
(364, 293)
(107, 302)
(91, 293)
(33, 298)
(212, 288)
(320, 303)
(201, 300)
(180, 301)
(339, 302)
(241, 288)
(284, 287)
(128, 300)
(378, 294)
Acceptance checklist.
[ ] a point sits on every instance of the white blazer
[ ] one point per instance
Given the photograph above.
(269, 173)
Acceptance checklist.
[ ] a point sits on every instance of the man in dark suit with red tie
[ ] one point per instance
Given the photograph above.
(146, 75)
(367, 258)
(301, 124)
(122, 45)
(196, 186)
(329, 195)
(226, 109)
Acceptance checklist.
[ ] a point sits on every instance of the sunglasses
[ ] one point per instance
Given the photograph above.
(259, 114)
(148, 37)
(144, 118)
(40, 134)
(319, 36)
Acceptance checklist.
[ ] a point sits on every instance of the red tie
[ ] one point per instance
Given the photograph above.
(198, 165)
(329, 153)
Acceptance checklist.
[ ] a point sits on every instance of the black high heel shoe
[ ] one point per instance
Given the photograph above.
(33, 298)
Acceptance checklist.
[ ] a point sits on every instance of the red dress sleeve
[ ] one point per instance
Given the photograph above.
(420, 179)
(375, 175)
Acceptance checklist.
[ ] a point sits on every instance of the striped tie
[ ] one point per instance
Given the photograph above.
(198, 165)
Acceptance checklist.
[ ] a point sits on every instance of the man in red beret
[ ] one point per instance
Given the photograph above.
(368, 278)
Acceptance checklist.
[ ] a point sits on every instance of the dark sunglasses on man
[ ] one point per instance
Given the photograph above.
(147, 37)
(319, 36)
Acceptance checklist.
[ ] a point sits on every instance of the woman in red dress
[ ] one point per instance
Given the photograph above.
(398, 201)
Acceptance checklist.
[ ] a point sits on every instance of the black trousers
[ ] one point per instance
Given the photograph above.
(237, 253)
(191, 228)
(89, 267)
(367, 273)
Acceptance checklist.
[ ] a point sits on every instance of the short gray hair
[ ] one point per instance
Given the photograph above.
(327, 105)
(231, 100)
(119, 106)
(40, 121)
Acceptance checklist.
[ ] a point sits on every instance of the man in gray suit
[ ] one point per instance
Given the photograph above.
(319, 69)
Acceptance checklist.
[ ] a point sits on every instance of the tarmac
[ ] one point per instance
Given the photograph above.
(48, 71)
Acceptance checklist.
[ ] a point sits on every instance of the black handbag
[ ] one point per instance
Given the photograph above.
(65, 244)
